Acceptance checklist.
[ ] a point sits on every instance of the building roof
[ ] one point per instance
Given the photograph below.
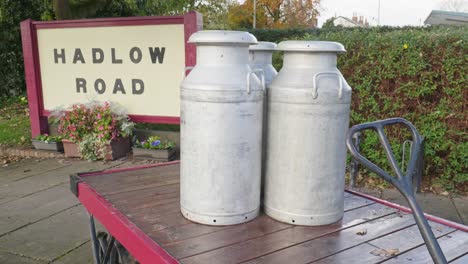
(439, 17)
(348, 20)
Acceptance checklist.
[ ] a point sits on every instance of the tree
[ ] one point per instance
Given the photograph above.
(454, 5)
(276, 14)
(329, 23)
(215, 13)
(73, 9)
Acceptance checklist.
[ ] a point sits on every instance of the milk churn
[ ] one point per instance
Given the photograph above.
(221, 130)
(261, 62)
(261, 58)
(308, 116)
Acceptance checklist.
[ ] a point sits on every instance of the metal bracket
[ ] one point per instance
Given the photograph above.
(402, 181)
(74, 180)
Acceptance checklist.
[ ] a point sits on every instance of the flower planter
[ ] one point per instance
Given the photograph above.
(118, 148)
(154, 154)
(71, 149)
(54, 146)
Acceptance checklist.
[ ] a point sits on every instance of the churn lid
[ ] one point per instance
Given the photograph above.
(313, 46)
(222, 36)
(263, 45)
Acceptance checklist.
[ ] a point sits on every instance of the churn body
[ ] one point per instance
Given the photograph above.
(221, 113)
(308, 117)
(261, 62)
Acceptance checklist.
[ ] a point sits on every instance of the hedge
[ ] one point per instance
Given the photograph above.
(415, 73)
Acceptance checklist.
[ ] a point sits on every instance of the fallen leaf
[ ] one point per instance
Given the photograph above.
(385, 252)
(361, 232)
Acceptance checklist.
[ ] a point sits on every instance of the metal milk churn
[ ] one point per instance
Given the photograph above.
(308, 116)
(221, 131)
(261, 62)
(261, 58)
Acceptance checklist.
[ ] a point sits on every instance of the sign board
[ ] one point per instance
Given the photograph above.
(137, 62)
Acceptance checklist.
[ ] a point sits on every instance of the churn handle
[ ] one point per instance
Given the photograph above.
(262, 78)
(402, 181)
(315, 88)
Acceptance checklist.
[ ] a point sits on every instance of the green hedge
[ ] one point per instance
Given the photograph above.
(415, 73)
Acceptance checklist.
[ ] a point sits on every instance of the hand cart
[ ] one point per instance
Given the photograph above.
(139, 208)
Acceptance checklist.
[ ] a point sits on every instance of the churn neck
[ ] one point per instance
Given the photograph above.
(222, 47)
(310, 54)
(296, 59)
(262, 52)
(261, 57)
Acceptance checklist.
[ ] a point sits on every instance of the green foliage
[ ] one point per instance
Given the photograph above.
(12, 12)
(330, 23)
(415, 73)
(92, 148)
(48, 138)
(160, 127)
(155, 142)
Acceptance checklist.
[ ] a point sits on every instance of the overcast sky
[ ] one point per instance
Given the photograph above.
(392, 12)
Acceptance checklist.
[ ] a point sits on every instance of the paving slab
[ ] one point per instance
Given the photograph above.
(461, 204)
(80, 255)
(20, 188)
(49, 238)
(37, 206)
(8, 258)
(441, 206)
(27, 168)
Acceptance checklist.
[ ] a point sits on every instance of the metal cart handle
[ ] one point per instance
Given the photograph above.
(403, 182)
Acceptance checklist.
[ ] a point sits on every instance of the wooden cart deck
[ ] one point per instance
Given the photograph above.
(140, 208)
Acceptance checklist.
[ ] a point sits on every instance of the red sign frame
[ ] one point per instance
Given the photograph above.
(192, 22)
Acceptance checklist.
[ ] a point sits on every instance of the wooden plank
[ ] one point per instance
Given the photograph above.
(179, 233)
(174, 234)
(461, 260)
(332, 243)
(380, 249)
(151, 223)
(260, 226)
(132, 176)
(352, 202)
(157, 210)
(142, 195)
(453, 245)
(266, 244)
(163, 199)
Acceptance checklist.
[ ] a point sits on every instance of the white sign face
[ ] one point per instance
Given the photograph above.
(140, 67)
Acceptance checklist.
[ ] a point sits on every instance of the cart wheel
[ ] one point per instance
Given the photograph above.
(118, 253)
(123, 255)
(102, 239)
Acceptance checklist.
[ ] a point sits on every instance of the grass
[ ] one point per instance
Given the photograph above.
(14, 122)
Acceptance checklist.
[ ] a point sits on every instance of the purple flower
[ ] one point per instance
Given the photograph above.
(156, 143)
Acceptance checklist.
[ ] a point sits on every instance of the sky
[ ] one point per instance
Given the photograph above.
(392, 12)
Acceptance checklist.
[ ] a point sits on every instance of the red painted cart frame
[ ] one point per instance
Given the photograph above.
(38, 115)
(141, 246)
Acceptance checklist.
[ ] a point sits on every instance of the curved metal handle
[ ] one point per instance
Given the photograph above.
(403, 182)
(262, 78)
(315, 88)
